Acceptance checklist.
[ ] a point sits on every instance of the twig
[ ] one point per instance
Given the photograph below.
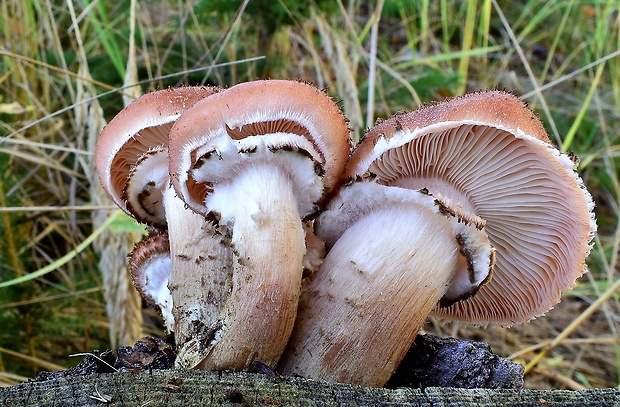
(104, 398)
(372, 68)
(573, 325)
(558, 377)
(96, 357)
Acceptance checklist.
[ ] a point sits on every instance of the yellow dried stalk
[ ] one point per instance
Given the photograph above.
(123, 303)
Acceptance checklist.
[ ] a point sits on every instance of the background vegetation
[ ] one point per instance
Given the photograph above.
(63, 64)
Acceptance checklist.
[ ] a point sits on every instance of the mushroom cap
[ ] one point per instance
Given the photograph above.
(138, 132)
(266, 119)
(489, 153)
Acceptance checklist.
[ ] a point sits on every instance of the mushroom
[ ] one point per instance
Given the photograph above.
(132, 162)
(257, 159)
(150, 268)
(482, 156)
(394, 253)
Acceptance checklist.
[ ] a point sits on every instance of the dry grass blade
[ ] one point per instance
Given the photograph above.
(96, 357)
(567, 382)
(56, 208)
(119, 89)
(66, 258)
(10, 379)
(570, 75)
(65, 68)
(544, 344)
(530, 73)
(373, 64)
(40, 363)
(576, 322)
(123, 303)
(337, 62)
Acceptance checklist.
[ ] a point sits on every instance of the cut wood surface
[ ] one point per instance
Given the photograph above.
(201, 388)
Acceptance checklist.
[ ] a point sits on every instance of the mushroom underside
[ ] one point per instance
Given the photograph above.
(527, 193)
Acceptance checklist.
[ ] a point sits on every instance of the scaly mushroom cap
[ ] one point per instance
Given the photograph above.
(487, 152)
(150, 267)
(134, 144)
(215, 139)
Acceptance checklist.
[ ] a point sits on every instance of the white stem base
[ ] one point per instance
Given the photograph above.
(200, 280)
(268, 245)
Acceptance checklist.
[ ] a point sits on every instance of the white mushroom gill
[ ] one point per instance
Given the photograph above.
(142, 191)
(149, 140)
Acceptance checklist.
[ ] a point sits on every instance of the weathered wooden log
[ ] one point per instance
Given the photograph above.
(435, 372)
(201, 388)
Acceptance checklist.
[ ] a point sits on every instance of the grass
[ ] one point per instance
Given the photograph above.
(65, 68)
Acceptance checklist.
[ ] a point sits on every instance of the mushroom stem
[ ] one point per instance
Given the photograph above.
(358, 317)
(268, 250)
(200, 278)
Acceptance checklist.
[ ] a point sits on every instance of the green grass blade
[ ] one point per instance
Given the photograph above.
(67, 257)
(584, 108)
(105, 34)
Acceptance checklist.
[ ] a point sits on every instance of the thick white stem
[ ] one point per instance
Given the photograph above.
(369, 299)
(268, 242)
(200, 280)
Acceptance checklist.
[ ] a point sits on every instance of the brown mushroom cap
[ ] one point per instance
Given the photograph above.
(138, 132)
(294, 115)
(489, 153)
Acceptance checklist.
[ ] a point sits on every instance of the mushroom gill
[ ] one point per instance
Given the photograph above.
(518, 185)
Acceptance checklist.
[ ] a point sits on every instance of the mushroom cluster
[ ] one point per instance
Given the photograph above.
(227, 180)
(271, 244)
